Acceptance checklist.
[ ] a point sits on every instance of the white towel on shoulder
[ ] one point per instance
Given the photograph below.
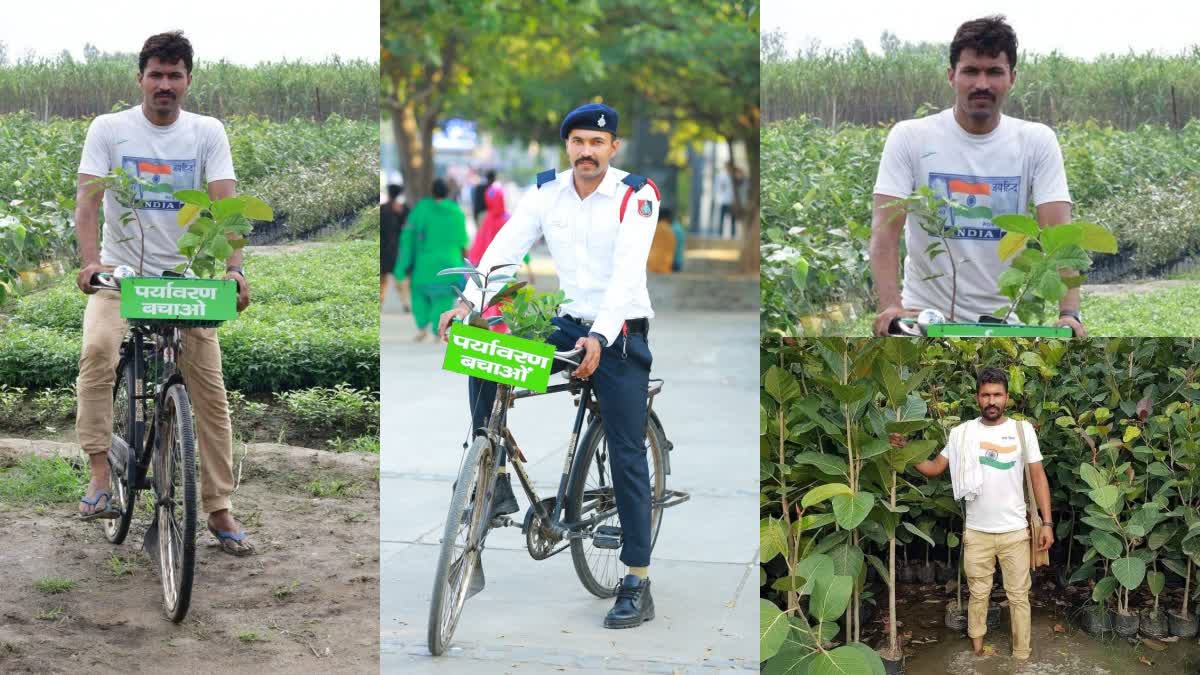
(966, 474)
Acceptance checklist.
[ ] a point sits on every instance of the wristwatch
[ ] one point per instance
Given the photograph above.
(599, 338)
(1074, 314)
(1048, 523)
(235, 268)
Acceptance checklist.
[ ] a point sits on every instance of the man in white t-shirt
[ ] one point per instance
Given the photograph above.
(988, 471)
(976, 156)
(160, 142)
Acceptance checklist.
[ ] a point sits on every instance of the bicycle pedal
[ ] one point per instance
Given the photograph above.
(607, 536)
(501, 521)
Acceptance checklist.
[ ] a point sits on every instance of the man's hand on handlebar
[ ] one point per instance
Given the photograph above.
(460, 311)
(1076, 326)
(883, 321)
(84, 280)
(591, 357)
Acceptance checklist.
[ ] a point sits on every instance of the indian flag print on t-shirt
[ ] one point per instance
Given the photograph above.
(176, 174)
(988, 196)
(995, 456)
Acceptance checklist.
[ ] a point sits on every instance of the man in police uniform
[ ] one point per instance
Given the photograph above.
(598, 222)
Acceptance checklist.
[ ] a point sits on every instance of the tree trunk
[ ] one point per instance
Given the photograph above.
(748, 260)
(415, 144)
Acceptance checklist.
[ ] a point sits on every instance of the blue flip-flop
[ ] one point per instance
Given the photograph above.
(109, 512)
(224, 538)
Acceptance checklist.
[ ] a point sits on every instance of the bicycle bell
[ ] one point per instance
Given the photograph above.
(123, 271)
(929, 316)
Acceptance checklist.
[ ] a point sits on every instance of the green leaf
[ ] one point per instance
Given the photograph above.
(1091, 476)
(912, 453)
(847, 558)
(257, 209)
(850, 511)
(869, 447)
(848, 393)
(1014, 222)
(823, 492)
(1129, 571)
(815, 566)
(830, 596)
(907, 427)
(193, 197)
(1104, 588)
(815, 521)
(1057, 236)
(187, 240)
(785, 584)
(781, 385)
(874, 662)
(917, 531)
(1084, 572)
(773, 627)
(1106, 497)
(1011, 281)
(951, 539)
(229, 206)
(1097, 238)
(1158, 469)
(1156, 581)
(830, 464)
(880, 568)
(1107, 545)
(1131, 433)
(772, 538)
(845, 660)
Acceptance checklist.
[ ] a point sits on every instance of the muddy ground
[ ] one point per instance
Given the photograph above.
(1060, 646)
(307, 602)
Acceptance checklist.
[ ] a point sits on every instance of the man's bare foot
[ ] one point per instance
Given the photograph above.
(229, 533)
(977, 646)
(98, 464)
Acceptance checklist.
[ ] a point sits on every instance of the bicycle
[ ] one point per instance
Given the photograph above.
(581, 516)
(154, 449)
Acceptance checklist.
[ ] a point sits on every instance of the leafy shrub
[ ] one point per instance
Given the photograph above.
(310, 196)
(338, 408)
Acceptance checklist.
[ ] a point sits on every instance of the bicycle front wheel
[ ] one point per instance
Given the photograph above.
(591, 495)
(122, 455)
(462, 543)
(175, 486)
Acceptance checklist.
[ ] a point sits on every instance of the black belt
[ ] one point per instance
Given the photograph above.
(635, 326)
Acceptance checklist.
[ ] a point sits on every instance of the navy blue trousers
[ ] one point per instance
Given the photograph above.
(620, 383)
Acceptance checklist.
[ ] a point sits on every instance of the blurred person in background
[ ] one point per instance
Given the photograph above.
(495, 215)
(392, 214)
(662, 249)
(724, 198)
(479, 198)
(434, 238)
(680, 239)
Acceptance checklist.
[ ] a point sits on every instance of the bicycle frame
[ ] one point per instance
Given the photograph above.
(165, 344)
(502, 438)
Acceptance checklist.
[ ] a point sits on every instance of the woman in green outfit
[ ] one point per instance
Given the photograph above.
(434, 238)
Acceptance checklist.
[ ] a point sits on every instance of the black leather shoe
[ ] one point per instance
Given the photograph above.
(504, 501)
(634, 604)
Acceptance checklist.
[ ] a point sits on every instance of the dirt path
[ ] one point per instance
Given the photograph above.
(308, 602)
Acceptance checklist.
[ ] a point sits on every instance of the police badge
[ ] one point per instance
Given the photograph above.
(645, 208)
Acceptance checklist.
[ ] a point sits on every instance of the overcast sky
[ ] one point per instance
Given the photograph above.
(241, 31)
(1079, 29)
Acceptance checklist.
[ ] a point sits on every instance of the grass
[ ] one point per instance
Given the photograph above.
(40, 480)
(284, 591)
(330, 488)
(249, 636)
(53, 585)
(368, 444)
(52, 614)
(121, 566)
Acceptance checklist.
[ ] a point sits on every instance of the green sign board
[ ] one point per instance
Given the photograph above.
(498, 357)
(996, 330)
(178, 299)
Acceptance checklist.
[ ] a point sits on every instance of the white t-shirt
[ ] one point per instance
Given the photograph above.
(1002, 170)
(192, 151)
(1000, 506)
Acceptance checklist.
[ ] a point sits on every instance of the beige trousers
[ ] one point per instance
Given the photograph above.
(200, 361)
(981, 551)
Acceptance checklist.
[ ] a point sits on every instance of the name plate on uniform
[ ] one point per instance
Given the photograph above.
(178, 299)
(498, 357)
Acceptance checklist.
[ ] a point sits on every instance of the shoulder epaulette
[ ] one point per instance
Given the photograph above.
(545, 177)
(635, 181)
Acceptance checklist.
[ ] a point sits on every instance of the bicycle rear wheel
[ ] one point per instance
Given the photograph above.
(121, 453)
(600, 569)
(462, 543)
(175, 487)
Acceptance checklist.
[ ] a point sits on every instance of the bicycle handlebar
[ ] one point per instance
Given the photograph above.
(104, 281)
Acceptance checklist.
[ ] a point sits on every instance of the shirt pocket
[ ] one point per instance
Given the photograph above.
(601, 248)
(559, 240)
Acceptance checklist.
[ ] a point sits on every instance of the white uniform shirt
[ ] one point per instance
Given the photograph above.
(600, 257)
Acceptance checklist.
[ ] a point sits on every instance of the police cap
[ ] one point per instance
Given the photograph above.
(590, 116)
